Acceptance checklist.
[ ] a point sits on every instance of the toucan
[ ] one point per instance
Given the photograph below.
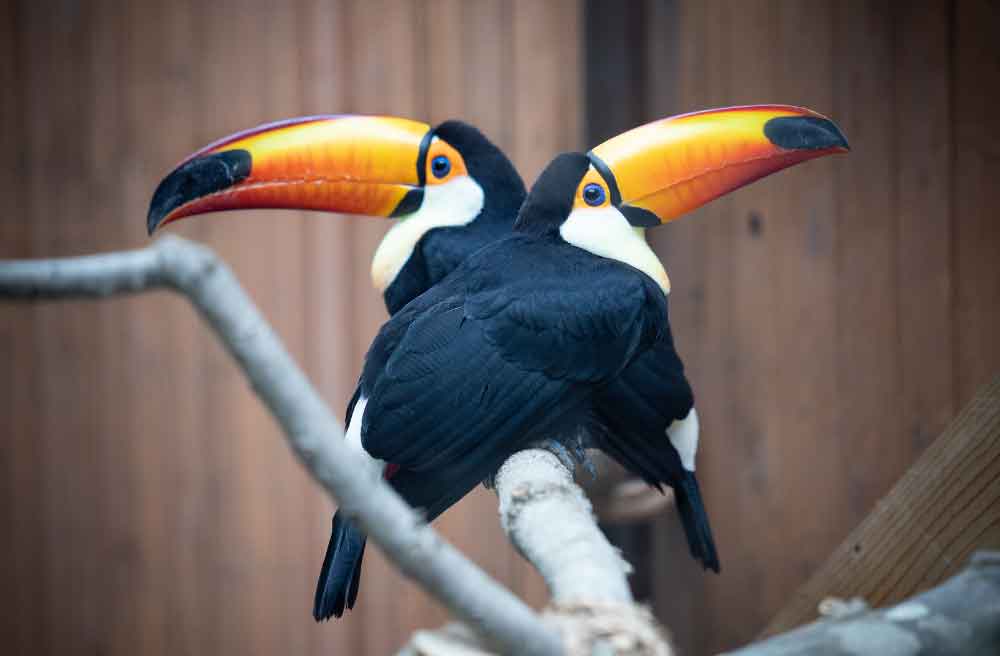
(597, 359)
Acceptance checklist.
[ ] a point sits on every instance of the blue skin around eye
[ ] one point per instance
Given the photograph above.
(440, 166)
(593, 194)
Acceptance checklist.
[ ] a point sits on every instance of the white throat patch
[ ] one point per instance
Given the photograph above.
(456, 202)
(606, 232)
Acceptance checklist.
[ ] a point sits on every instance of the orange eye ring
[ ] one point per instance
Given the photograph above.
(444, 163)
(593, 192)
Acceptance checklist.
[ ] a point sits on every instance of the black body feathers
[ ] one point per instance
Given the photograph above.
(528, 338)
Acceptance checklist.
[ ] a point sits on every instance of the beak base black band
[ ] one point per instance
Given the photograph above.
(410, 203)
(425, 145)
(609, 177)
(636, 216)
(639, 217)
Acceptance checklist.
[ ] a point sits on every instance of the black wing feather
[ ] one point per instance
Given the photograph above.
(636, 409)
(500, 351)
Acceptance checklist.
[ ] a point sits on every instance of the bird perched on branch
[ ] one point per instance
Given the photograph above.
(554, 330)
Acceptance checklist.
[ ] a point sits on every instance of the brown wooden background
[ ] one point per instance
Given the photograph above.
(833, 317)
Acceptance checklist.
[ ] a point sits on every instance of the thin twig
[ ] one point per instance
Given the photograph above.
(312, 431)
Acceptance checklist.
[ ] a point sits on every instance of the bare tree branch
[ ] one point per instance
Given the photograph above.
(313, 433)
(548, 518)
(960, 616)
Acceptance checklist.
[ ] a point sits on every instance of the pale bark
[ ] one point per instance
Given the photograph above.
(550, 521)
(548, 518)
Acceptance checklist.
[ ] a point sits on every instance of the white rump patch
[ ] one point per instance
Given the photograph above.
(606, 232)
(353, 436)
(683, 434)
(456, 202)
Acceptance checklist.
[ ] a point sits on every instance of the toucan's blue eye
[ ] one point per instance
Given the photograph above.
(593, 194)
(440, 166)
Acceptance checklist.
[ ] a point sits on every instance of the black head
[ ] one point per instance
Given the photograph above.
(552, 197)
(488, 166)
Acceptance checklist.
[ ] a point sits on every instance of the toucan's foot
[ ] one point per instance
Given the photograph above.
(571, 452)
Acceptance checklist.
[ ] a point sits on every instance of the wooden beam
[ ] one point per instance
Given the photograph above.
(960, 616)
(944, 508)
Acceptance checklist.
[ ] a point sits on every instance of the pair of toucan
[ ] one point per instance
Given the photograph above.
(516, 318)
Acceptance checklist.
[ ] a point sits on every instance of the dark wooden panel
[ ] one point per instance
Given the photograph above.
(976, 158)
(868, 330)
(23, 603)
(615, 61)
(923, 187)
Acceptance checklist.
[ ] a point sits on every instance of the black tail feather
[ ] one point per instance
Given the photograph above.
(658, 464)
(337, 587)
(695, 521)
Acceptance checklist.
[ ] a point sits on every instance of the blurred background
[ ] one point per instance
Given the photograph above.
(833, 318)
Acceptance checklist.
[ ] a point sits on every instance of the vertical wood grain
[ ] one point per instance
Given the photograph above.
(20, 456)
(976, 76)
(807, 495)
(868, 329)
(548, 108)
(65, 340)
(131, 566)
(615, 62)
(923, 188)
(487, 73)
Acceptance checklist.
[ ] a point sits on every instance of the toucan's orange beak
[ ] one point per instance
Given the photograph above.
(354, 164)
(661, 170)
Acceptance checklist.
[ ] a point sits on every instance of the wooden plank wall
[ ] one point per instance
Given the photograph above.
(835, 316)
(149, 504)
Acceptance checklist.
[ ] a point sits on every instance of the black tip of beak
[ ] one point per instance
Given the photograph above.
(804, 133)
(195, 179)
